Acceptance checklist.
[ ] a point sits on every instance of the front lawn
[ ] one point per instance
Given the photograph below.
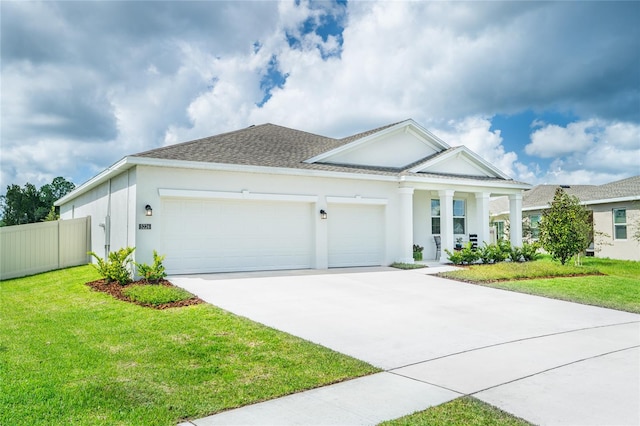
(466, 411)
(601, 282)
(70, 355)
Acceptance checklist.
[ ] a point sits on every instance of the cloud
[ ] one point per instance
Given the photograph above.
(591, 151)
(121, 77)
(475, 134)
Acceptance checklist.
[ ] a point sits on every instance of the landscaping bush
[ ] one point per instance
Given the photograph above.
(465, 256)
(156, 294)
(117, 266)
(530, 252)
(469, 254)
(152, 273)
(488, 253)
(494, 253)
(515, 254)
(455, 257)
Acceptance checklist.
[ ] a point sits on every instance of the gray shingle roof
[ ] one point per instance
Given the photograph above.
(542, 195)
(276, 146)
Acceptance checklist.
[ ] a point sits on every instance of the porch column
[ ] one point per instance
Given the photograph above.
(446, 223)
(482, 217)
(515, 219)
(406, 225)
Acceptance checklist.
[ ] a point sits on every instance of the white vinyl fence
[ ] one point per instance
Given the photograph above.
(40, 247)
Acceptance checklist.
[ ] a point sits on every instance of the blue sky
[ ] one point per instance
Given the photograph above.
(549, 92)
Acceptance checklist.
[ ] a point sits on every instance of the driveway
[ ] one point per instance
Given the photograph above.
(548, 361)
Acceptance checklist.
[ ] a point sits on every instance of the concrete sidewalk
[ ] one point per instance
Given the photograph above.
(548, 361)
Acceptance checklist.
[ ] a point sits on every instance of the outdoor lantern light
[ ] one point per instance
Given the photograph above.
(149, 210)
(323, 214)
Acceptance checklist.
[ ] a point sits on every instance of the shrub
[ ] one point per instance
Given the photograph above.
(488, 253)
(152, 273)
(530, 251)
(515, 254)
(156, 294)
(503, 250)
(116, 268)
(455, 257)
(469, 254)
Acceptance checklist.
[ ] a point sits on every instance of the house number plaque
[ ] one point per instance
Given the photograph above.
(144, 226)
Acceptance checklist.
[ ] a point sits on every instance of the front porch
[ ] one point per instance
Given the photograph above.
(454, 216)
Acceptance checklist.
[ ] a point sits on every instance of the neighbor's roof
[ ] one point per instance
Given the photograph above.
(541, 195)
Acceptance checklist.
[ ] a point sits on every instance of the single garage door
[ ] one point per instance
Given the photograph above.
(356, 235)
(236, 235)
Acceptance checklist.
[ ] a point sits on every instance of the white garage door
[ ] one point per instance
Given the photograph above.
(236, 235)
(356, 235)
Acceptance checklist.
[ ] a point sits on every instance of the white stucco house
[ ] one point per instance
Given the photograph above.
(614, 207)
(269, 197)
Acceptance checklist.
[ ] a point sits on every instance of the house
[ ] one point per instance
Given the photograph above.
(615, 211)
(269, 197)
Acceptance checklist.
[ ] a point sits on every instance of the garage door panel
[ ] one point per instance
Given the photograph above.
(233, 235)
(356, 235)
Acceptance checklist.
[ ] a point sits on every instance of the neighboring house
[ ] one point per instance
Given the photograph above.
(269, 197)
(615, 211)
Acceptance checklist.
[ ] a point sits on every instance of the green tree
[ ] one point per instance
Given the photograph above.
(29, 204)
(565, 229)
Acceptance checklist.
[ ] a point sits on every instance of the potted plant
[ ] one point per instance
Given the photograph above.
(417, 252)
(459, 243)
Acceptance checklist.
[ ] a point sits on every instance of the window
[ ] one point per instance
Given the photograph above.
(534, 224)
(620, 224)
(459, 216)
(499, 230)
(459, 219)
(435, 217)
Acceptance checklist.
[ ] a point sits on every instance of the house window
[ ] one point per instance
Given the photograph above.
(499, 230)
(534, 224)
(459, 216)
(620, 224)
(435, 217)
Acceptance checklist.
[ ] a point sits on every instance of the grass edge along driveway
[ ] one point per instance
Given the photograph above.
(69, 355)
(607, 283)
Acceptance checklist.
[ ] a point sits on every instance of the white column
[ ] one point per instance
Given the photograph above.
(446, 223)
(482, 217)
(515, 219)
(406, 225)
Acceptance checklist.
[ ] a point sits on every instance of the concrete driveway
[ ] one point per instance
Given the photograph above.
(548, 361)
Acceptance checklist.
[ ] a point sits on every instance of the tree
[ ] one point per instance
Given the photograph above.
(565, 228)
(29, 204)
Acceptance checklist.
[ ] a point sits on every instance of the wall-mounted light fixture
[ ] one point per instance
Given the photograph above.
(149, 210)
(323, 214)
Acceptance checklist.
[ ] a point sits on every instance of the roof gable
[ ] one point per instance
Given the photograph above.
(396, 146)
(458, 161)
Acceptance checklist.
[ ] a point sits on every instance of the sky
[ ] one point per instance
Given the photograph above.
(548, 92)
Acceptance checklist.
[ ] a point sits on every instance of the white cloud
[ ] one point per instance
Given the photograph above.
(590, 151)
(158, 73)
(552, 140)
(475, 134)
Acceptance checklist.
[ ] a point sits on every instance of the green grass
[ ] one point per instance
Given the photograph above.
(466, 411)
(617, 286)
(401, 265)
(70, 355)
(154, 294)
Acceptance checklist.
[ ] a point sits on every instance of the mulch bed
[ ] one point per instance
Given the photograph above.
(116, 290)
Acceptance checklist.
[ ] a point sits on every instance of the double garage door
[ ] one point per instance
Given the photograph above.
(205, 235)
